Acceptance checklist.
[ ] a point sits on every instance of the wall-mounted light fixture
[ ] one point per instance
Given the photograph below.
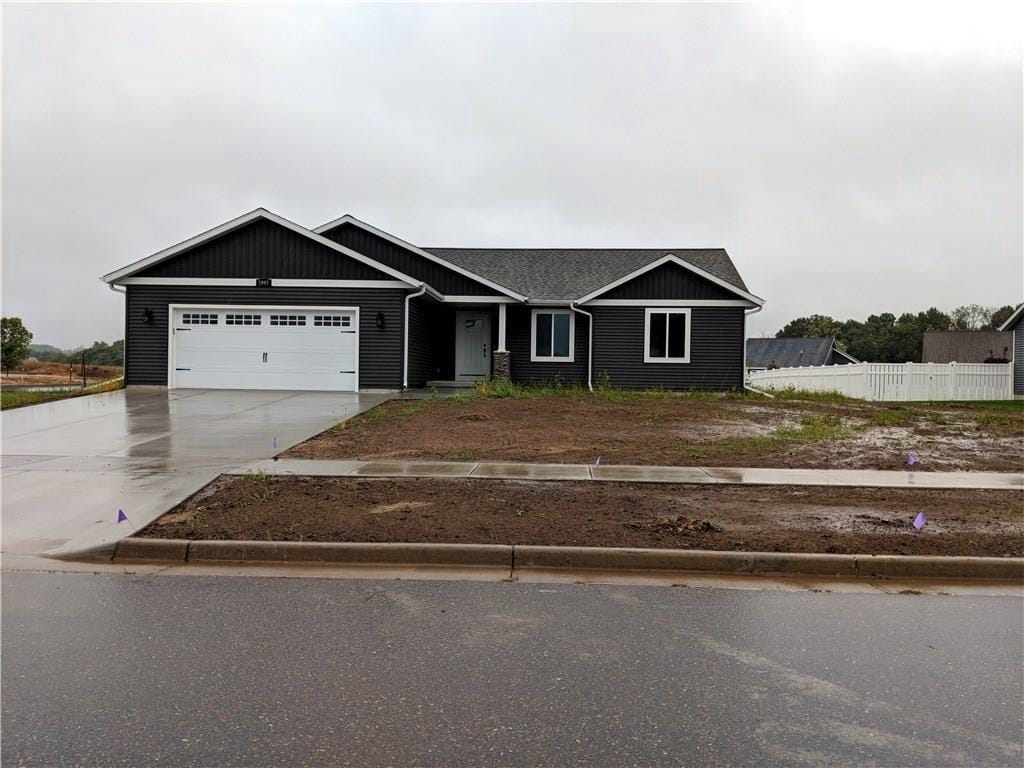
(147, 316)
(380, 320)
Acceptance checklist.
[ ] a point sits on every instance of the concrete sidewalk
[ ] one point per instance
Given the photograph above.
(640, 474)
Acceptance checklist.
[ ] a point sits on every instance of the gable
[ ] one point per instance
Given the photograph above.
(263, 248)
(438, 276)
(669, 281)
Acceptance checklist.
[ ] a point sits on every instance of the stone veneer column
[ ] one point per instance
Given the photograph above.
(502, 362)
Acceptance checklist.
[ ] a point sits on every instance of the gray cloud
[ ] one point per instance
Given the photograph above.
(849, 167)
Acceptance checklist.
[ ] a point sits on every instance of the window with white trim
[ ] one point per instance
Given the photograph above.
(552, 336)
(332, 321)
(666, 335)
(198, 318)
(287, 319)
(230, 319)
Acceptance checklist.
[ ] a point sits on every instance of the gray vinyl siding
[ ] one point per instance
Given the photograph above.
(669, 281)
(264, 249)
(380, 350)
(1018, 356)
(517, 338)
(716, 350)
(437, 276)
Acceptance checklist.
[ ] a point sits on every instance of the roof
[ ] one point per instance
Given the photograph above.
(791, 352)
(561, 274)
(1012, 319)
(965, 346)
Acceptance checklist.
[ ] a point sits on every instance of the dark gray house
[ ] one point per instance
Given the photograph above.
(1015, 326)
(263, 303)
(795, 352)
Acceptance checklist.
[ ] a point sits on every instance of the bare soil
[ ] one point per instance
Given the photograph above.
(56, 374)
(772, 519)
(683, 431)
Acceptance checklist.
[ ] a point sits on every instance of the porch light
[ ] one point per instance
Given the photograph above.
(380, 320)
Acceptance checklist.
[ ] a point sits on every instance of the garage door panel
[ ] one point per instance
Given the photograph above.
(239, 348)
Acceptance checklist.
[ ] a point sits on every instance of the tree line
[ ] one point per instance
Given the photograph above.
(888, 338)
(16, 346)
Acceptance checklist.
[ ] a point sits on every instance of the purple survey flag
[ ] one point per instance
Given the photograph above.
(598, 462)
(121, 516)
(274, 442)
(911, 459)
(920, 521)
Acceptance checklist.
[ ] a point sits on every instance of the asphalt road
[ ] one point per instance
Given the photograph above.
(151, 670)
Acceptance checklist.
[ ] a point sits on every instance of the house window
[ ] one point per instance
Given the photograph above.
(667, 335)
(198, 318)
(552, 336)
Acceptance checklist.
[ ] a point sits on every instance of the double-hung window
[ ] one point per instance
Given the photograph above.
(667, 335)
(552, 336)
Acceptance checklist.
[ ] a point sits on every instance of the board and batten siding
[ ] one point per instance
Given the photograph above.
(437, 276)
(525, 371)
(264, 249)
(380, 350)
(716, 350)
(1018, 356)
(421, 340)
(669, 281)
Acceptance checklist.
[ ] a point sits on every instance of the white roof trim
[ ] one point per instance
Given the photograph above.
(241, 221)
(1012, 318)
(847, 355)
(350, 219)
(670, 258)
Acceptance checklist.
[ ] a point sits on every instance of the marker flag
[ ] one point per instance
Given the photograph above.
(911, 459)
(598, 462)
(920, 520)
(121, 516)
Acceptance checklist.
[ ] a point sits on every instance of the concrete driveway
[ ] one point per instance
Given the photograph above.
(69, 466)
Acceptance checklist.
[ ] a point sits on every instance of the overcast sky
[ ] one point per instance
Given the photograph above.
(851, 159)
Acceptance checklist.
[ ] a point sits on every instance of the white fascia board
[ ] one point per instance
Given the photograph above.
(670, 258)
(847, 355)
(350, 219)
(450, 299)
(1012, 318)
(276, 282)
(259, 213)
(671, 303)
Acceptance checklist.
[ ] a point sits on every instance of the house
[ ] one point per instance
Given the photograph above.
(1014, 325)
(795, 352)
(967, 347)
(263, 303)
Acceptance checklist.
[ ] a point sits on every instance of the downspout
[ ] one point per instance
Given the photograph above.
(405, 362)
(748, 313)
(590, 344)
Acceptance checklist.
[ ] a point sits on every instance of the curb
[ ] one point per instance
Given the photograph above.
(518, 558)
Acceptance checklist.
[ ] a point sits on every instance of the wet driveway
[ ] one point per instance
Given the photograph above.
(69, 466)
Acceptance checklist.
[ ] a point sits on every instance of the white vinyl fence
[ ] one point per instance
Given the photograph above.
(896, 381)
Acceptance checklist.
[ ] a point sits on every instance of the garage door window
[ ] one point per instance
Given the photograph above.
(287, 319)
(332, 321)
(197, 318)
(243, 319)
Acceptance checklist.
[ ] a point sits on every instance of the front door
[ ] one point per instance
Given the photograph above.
(472, 346)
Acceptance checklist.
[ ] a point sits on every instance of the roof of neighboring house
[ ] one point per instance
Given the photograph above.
(559, 274)
(791, 352)
(965, 346)
(1012, 319)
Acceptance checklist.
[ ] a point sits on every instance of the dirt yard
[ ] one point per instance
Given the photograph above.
(772, 519)
(675, 430)
(56, 374)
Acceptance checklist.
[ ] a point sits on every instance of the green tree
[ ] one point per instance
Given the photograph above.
(14, 341)
(1001, 315)
(971, 317)
(809, 327)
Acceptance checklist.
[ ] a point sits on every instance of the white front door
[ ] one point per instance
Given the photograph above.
(472, 346)
(264, 348)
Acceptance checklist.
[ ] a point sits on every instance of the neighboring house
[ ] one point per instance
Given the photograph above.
(966, 347)
(262, 303)
(1014, 325)
(763, 354)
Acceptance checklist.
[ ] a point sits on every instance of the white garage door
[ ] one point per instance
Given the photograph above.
(257, 348)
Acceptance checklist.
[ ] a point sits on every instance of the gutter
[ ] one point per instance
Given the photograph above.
(405, 331)
(590, 345)
(748, 313)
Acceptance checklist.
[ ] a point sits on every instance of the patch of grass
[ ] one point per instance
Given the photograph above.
(695, 451)
(1000, 423)
(463, 455)
(893, 417)
(19, 398)
(260, 481)
(792, 393)
(981, 405)
(813, 427)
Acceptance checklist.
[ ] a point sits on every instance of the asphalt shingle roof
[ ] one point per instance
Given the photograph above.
(788, 352)
(965, 346)
(565, 274)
